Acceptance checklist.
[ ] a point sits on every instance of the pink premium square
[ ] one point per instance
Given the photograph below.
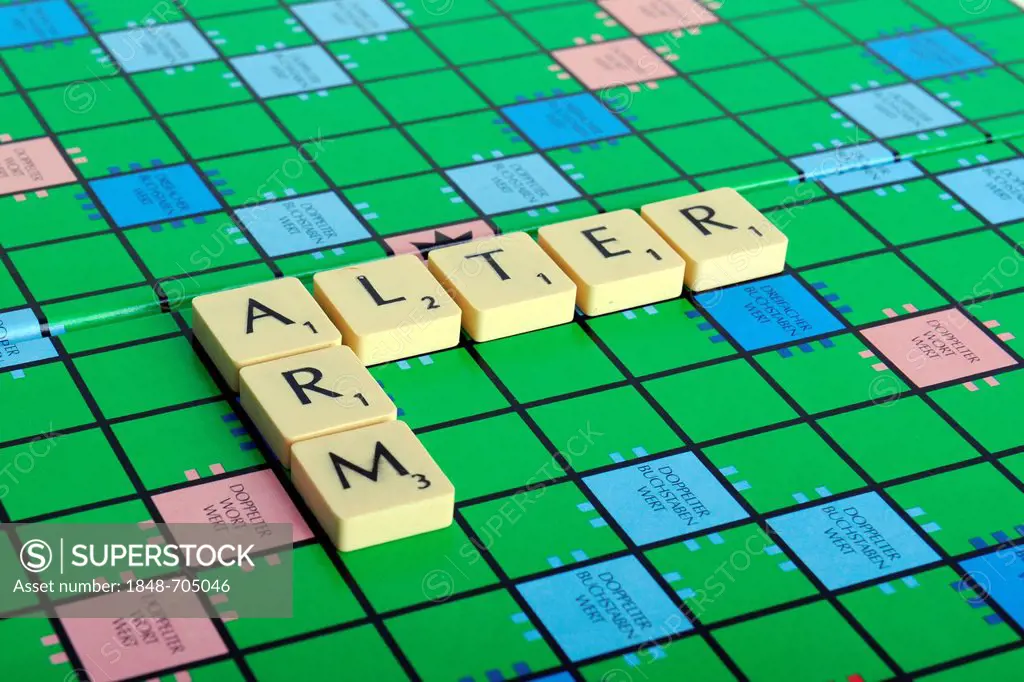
(253, 498)
(655, 16)
(619, 62)
(939, 347)
(31, 165)
(140, 644)
(416, 241)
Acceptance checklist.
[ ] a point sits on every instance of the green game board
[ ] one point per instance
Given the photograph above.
(163, 150)
(236, 140)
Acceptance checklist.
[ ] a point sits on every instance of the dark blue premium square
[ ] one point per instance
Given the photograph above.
(1001, 575)
(930, 54)
(38, 22)
(154, 196)
(565, 121)
(769, 312)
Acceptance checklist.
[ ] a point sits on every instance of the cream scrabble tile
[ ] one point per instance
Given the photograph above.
(372, 485)
(721, 236)
(313, 394)
(505, 285)
(389, 309)
(617, 260)
(260, 322)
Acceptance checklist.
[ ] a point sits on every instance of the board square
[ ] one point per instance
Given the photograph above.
(481, 40)
(312, 222)
(995, 191)
(769, 312)
(420, 243)
(852, 540)
(813, 469)
(452, 449)
(631, 429)
(512, 184)
(802, 643)
(998, 574)
(548, 363)
(908, 426)
(927, 618)
(936, 502)
(89, 264)
(367, 656)
(497, 640)
(562, 528)
(897, 110)
(620, 62)
(849, 169)
(939, 347)
(420, 96)
(19, 325)
(38, 22)
(989, 414)
(714, 415)
(122, 648)
(289, 72)
(259, 31)
(19, 340)
(170, 363)
(961, 266)
(793, 32)
(154, 196)
(581, 608)
(158, 47)
(414, 388)
(340, 19)
(565, 121)
(654, 501)
(31, 165)
(655, 16)
(930, 54)
(254, 499)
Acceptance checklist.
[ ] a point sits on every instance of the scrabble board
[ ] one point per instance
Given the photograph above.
(161, 151)
(841, 443)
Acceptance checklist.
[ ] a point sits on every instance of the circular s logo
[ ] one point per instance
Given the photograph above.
(438, 586)
(975, 6)
(36, 556)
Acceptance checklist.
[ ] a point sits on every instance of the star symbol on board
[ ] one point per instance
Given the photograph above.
(441, 239)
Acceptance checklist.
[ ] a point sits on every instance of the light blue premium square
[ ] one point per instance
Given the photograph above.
(769, 312)
(38, 22)
(604, 607)
(996, 191)
(512, 184)
(848, 169)
(672, 496)
(1001, 575)
(18, 325)
(161, 46)
(319, 221)
(930, 54)
(852, 540)
(288, 72)
(19, 340)
(897, 110)
(341, 19)
(18, 354)
(565, 121)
